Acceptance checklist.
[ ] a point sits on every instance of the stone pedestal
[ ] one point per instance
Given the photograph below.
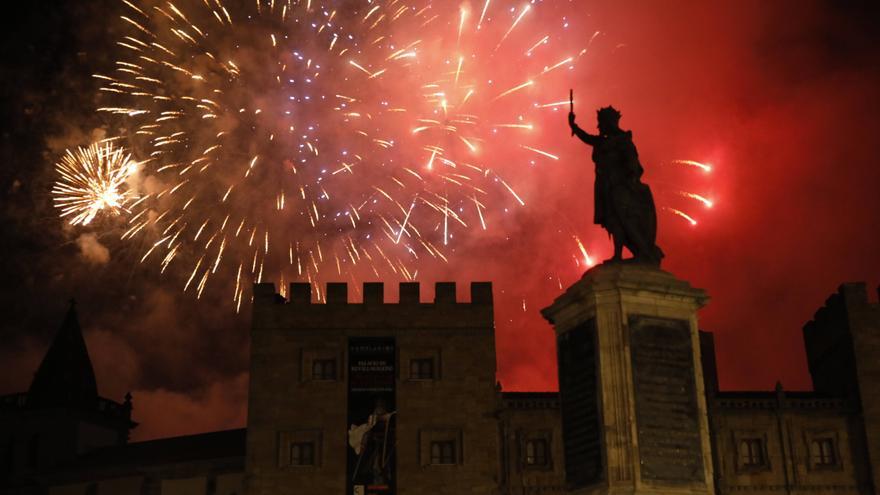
(631, 383)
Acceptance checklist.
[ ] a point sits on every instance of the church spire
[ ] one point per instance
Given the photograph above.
(65, 377)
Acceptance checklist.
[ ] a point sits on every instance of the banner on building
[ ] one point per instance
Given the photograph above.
(372, 412)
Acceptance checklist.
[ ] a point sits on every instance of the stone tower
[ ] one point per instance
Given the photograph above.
(61, 416)
(634, 415)
(372, 398)
(842, 343)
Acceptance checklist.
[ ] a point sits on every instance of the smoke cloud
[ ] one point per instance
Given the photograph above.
(92, 250)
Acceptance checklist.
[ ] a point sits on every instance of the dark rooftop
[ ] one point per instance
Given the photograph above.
(213, 445)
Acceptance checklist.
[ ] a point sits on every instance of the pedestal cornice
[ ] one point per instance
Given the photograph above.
(617, 280)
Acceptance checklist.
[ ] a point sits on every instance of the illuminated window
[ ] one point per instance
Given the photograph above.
(822, 452)
(536, 452)
(421, 369)
(324, 369)
(443, 452)
(302, 454)
(751, 452)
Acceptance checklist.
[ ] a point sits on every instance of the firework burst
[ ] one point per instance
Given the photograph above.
(289, 139)
(93, 180)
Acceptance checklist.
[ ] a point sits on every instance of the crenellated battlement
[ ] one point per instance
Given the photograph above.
(301, 309)
(373, 293)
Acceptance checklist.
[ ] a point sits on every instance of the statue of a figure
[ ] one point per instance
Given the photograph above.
(373, 442)
(624, 205)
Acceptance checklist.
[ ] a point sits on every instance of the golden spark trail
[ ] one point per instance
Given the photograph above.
(536, 45)
(705, 167)
(405, 220)
(515, 126)
(681, 214)
(544, 153)
(525, 10)
(515, 195)
(555, 104)
(587, 259)
(702, 199)
(515, 89)
(560, 64)
(483, 14)
(464, 14)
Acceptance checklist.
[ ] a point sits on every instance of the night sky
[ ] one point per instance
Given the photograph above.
(780, 97)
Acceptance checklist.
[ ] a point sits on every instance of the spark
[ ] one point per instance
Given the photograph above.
(515, 89)
(702, 199)
(558, 65)
(588, 261)
(705, 167)
(682, 215)
(536, 45)
(512, 192)
(405, 220)
(483, 14)
(464, 15)
(544, 153)
(554, 104)
(522, 14)
(516, 126)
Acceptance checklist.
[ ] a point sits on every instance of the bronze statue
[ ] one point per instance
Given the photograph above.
(624, 205)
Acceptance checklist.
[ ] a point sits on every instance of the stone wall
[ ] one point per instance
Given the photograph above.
(532, 417)
(769, 442)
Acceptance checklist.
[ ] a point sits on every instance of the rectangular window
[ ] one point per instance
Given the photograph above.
(822, 452)
(443, 453)
(751, 452)
(324, 369)
(536, 452)
(421, 369)
(302, 454)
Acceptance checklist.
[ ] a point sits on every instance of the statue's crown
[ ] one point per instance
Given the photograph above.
(608, 113)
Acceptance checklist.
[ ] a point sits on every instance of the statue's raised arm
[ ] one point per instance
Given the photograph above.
(623, 204)
(580, 133)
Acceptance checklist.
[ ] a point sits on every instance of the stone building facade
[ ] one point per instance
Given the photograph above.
(318, 369)
(384, 398)
(825, 441)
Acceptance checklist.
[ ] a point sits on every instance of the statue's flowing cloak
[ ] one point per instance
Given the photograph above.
(622, 201)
